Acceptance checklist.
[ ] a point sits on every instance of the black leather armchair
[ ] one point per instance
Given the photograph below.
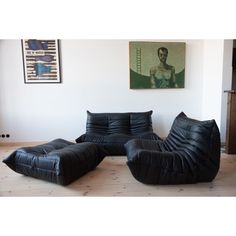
(190, 154)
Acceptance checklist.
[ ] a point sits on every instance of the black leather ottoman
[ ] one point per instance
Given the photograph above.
(58, 161)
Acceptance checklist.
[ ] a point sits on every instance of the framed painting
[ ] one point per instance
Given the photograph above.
(157, 65)
(41, 61)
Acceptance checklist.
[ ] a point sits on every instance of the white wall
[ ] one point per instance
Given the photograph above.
(96, 78)
(212, 79)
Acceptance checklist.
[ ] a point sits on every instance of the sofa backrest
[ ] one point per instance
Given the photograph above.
(133, 123)
(194, 137)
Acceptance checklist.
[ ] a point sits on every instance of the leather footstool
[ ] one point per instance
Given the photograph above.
(58, 161)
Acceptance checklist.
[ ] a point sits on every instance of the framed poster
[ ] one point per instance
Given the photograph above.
(157, 65)
(41, 61)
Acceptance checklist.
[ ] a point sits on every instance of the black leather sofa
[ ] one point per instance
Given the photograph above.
(190, 154)
(113, 130)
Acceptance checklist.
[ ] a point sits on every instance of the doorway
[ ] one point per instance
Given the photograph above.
(230, 146)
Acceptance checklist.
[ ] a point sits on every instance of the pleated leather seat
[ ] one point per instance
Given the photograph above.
(190, 154)
(58, 161)
(113, 130)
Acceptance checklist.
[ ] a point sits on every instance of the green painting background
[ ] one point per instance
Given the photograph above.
(138, 81)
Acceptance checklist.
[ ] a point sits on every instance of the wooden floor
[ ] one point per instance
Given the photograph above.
(113, 178)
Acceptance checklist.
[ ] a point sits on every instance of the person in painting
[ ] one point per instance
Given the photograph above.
(163, 75)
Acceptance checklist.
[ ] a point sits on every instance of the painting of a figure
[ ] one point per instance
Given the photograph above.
(41, 61)
(157, 65)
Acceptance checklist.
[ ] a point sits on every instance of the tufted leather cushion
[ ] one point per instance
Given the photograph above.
(190, 154)
(58, 161)
(123, 123)
(113, 130)
(114, 143)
